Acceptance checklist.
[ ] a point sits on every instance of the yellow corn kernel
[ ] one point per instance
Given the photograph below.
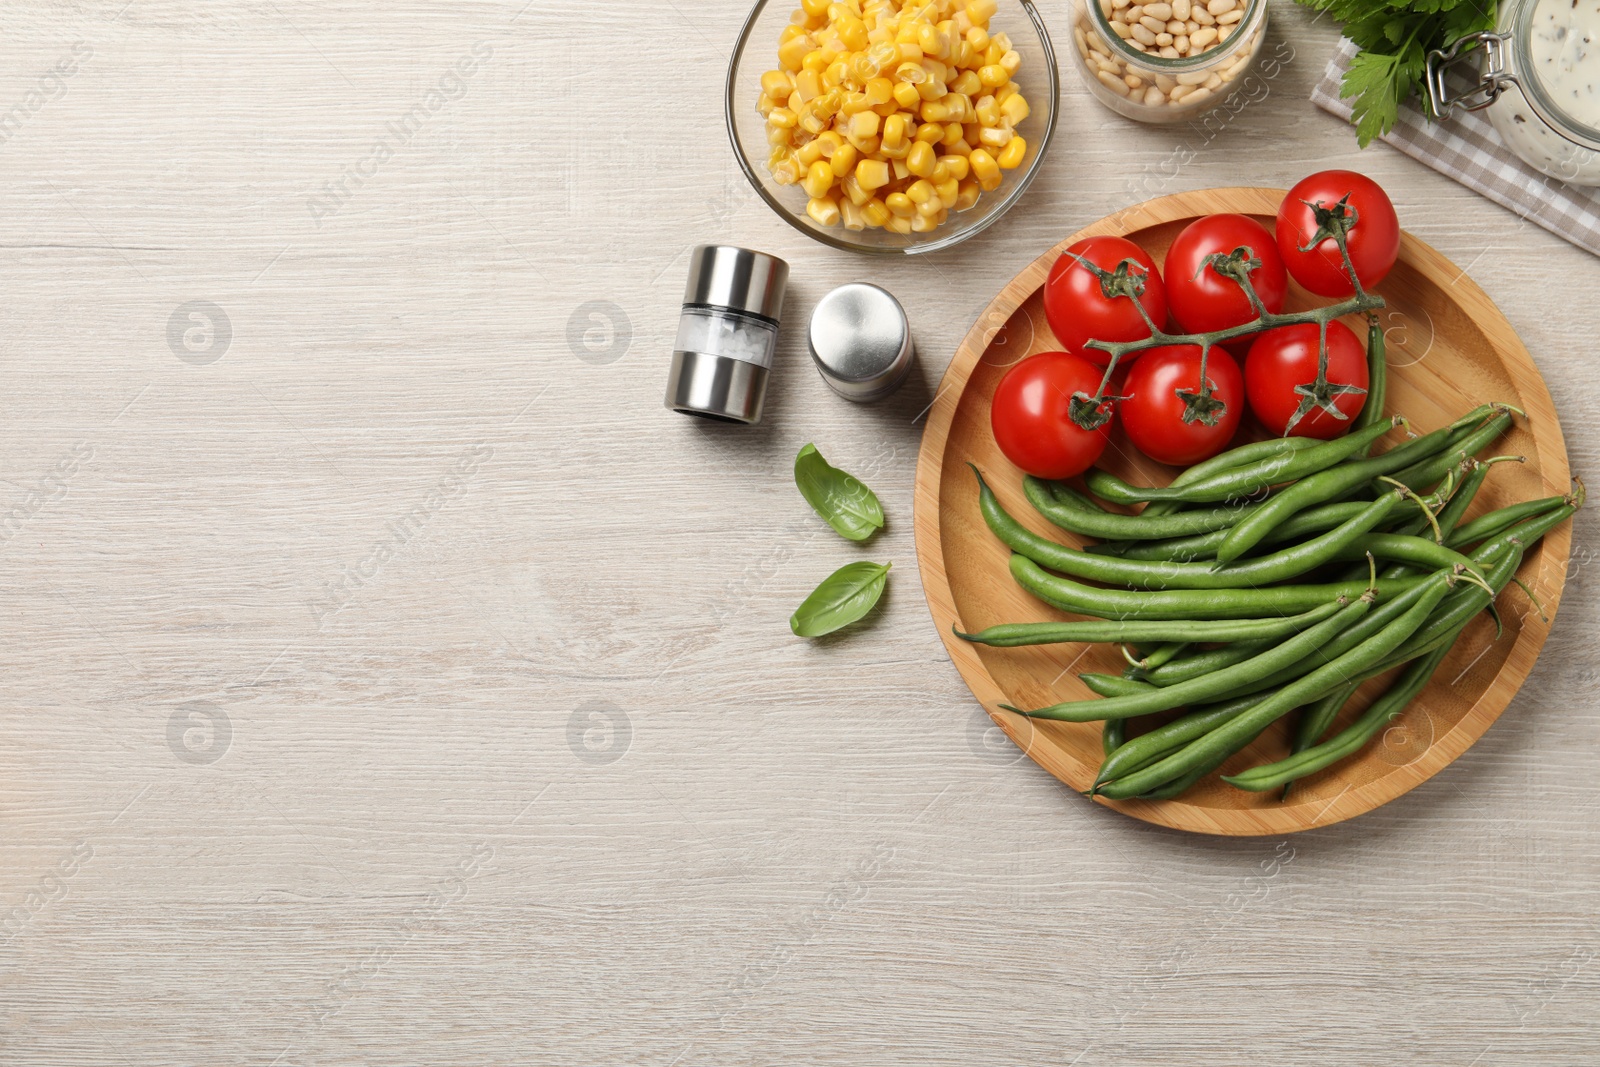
(789, 33)
(987, 111)
(819, 8)
(776, 83)
(819, 179)
(906, 95)
(960, 105)
(876, 212)
(896, 224)
(1002, 40)
(901, 171)
(851, 215)
(828, 104)
(930, 207)
(929, 133)
(1015, 108)
(879, 91)
(948, 190)
(993, 76)
(978, 38)
(811, 122)
(825, 210)
(854, 104)
(894, 132)
(995, 136)
(809, 153)
(992, 54)
(843, 160)
(920, 161)
(931, 90)
(1011, 156)
(1005, 92)
(900, 205)
(935, 112)
(783, 118)
(835, 74)
(909, 73)
(883, 55)
(1011, 62)
(921, 223)
(940, 175)
(872, 173)
(853, 33)
(985, 169)
(807, 85)
(921, 191)
(952, 134)
(981, 11)
(829, 142)
(931, 41)
(778, 137)
(786, 171)
(792, 53)
(852, 189)
(959, 166)
(964, 56)
(967, 84)
(864, 125)
(968, 195)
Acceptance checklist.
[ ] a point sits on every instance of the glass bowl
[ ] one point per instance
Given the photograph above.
(757, 52)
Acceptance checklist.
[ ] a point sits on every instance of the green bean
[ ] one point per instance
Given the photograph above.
(1163, 655)
(1280, 566)
(1497, 522)
(1204, 546)
(1206, 661)
(1150, 700)
(1016, 635)
(1404, 548)
(1150, 746)
(1067, 595)
(1507, 550)
(1113, 735)
(1428, 471)
(1238, 483)
(1350, 740)
(1449, 516)
(1343, 642)
(1321, 487)
(1319, 715)
(1184, 782)
(1243, 455)
(1111, 685)
(1056, 503)
(1377, 377)
(1250, 723)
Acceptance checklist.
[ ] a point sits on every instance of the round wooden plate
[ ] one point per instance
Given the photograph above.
(1450, 349)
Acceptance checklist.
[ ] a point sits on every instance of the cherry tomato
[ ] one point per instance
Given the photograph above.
(1202, 300)
(1031, 419)
(1152, 412)
(1286, 357)
(1077, 308)
(1374, 240)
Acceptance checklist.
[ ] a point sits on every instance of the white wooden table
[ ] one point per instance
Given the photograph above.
(389, 679)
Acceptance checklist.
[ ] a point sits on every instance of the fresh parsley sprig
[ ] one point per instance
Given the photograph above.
(1395, 37)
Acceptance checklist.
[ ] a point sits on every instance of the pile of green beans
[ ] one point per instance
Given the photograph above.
(1235, 598)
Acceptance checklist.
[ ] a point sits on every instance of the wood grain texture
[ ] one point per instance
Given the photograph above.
(1454, 350)
(409, 849)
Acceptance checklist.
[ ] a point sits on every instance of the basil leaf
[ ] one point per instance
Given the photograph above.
(843, 597)
(843, 502)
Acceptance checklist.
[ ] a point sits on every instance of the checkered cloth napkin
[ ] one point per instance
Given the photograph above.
(1467, 148)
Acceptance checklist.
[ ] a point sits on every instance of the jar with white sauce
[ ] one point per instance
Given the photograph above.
(1539, 76)
(1166, 60)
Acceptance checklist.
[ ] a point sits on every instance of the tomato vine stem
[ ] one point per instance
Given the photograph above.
(1127, 280)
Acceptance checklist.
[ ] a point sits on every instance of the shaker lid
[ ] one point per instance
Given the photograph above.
(861, 341)
(738, 278)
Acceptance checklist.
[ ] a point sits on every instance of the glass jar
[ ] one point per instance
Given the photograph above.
(1539, 76)
(1187, 67)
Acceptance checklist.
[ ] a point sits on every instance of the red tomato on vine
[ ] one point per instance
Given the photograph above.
(1031, 415)
(1083, 301)
(1167, 414)
(1321, 206)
